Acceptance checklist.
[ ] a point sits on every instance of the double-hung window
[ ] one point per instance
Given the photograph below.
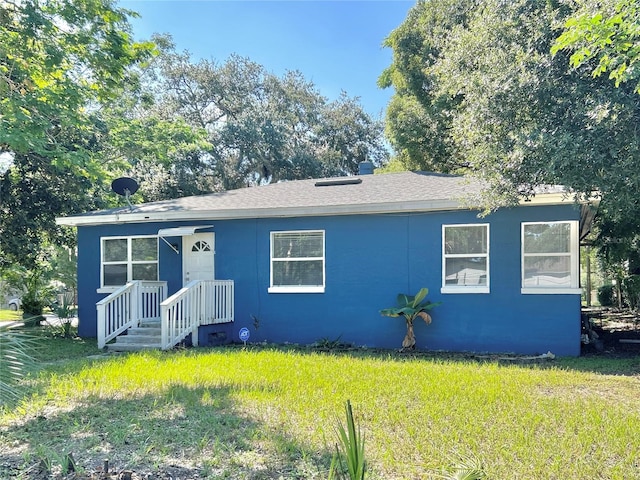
(128, 258)
(465, 258)
(297, 262)
(550, 257)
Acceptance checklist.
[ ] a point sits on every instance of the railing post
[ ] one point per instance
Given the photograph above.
(136, 302)
(102, 320)
(164, 326)
(230, 301)
(197, 313)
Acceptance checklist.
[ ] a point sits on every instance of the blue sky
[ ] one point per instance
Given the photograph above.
(336, 44)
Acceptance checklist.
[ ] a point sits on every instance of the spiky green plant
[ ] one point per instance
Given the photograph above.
(15, 362)
(350, 450)
(466, 468)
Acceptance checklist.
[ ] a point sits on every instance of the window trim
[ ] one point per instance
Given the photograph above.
(574, 262)
(297, 288)
(112, 288)
(465, 288)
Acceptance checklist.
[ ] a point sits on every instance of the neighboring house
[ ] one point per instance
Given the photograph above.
(318, 259)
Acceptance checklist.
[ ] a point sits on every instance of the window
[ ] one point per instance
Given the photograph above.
(465, 258)
(550, 257)
(297, 262)
(129, 258)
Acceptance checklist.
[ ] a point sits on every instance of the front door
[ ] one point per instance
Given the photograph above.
(198, 257)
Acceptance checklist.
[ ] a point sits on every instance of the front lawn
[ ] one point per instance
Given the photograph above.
(10, 315)
(262, 413)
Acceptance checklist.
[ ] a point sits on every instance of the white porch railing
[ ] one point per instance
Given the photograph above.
(127, 306)
(201, 302)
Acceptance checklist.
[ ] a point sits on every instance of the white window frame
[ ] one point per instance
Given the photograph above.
(574, 262)
(465, 288)
(111, 288)
(296, 288)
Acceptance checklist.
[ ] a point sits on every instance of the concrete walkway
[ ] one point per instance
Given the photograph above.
(49, 320)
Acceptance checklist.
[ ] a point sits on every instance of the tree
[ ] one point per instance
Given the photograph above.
(167, 158)
(33, 193)
(606, 37)
(419, 118)
(263, 128)
(411, 307)
(479, 84)
(59, 61)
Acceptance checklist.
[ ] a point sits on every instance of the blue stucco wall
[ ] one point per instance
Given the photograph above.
(369, 260)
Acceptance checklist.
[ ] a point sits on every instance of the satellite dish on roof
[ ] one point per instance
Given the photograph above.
(126, 187)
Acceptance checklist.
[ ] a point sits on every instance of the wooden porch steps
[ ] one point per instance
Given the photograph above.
(147, 336)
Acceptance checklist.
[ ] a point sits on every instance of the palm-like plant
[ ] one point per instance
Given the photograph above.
(411, 307)
(467, 468)
(15, 362)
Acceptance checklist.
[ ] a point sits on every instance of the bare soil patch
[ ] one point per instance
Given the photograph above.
(618, 332)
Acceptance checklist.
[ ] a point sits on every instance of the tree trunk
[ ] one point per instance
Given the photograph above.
(409, 341)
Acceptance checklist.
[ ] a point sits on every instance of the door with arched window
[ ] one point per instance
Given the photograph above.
(198, 257)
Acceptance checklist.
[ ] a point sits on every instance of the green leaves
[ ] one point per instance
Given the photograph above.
(351, 449)
(414, 301)
(59, 62)
(479, 92)
(56, 59)
(16, 362)
(411, 307)
(263, 128)
(605, 41)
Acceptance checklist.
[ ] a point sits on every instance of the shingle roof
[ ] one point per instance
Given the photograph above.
(387, 188)
(386, 193)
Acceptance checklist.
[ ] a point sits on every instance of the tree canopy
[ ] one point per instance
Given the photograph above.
(606, 37)
(59, 61)
(477, 90)
(261, 127)
(81, 103)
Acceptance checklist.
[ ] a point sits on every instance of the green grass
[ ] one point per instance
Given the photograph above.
(269, 413)
(10, 315)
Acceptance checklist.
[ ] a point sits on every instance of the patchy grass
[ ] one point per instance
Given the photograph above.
(262, 413)
(52, 348)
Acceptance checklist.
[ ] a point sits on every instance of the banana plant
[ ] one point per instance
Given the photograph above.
(411, 307)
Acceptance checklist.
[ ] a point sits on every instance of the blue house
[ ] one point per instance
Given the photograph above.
(307, 260)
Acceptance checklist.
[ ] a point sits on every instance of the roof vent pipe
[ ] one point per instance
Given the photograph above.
(365, 168)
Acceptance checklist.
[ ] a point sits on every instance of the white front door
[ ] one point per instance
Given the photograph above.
(198, 257)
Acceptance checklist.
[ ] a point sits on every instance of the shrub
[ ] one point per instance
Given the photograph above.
(32, 308)
(605, 295)
(631, 291)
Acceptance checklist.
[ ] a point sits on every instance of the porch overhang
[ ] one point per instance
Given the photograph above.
(179, 232)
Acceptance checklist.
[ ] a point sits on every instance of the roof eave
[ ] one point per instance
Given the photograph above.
(237, 214)
(124, 217)
(556, 198)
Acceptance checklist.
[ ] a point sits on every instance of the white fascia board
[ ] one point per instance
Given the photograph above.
(233, 214)
(547, 199)
(559, 198)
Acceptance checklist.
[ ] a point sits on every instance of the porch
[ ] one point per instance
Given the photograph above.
(140, 316)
